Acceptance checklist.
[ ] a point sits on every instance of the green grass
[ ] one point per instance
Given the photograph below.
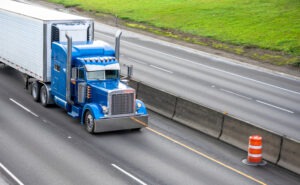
(266, 24)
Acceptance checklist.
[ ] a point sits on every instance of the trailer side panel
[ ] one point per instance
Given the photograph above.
(22, 43)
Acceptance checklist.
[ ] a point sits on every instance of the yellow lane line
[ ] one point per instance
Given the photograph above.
(206, 156)
(139, 122)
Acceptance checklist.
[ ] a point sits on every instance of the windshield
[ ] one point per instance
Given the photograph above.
(102, 75)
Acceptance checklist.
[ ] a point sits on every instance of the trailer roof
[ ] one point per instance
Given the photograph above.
(37, 12)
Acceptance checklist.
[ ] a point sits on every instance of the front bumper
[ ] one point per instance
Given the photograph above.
(120, 123)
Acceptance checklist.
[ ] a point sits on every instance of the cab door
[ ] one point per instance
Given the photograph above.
(58, 78)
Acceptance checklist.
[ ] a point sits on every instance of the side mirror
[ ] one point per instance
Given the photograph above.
(127, 78)
(74, 73)
(129, 71)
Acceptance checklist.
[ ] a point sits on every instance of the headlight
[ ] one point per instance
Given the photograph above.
(139, 105)
(104, 109)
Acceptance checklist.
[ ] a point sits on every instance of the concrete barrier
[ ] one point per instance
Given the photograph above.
(237, 132)
(232, 130)
(157, 100)
(198, 117)
(290, 155)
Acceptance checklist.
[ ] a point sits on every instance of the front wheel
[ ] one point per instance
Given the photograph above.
(89, 122)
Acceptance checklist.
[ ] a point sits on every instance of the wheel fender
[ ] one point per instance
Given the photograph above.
(142, 109)
(95, 110)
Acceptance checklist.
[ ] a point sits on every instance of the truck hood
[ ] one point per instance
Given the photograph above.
(108, 85)
(101, 89)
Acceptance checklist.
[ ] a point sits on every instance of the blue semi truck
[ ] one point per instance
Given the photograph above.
(64, 65)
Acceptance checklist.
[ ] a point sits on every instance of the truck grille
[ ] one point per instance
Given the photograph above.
(122, 104)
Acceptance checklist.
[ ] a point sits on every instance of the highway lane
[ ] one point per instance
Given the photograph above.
(40, 152)
(257, 95)
(55, 149)
(45, 146)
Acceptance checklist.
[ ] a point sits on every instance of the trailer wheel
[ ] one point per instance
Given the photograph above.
(89, 122)
(44, 96)
(35, 91)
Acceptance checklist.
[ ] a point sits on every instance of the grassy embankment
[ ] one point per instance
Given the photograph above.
(266, 30)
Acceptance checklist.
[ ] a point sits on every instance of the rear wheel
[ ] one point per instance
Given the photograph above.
(44, 96)
(89, 122)
(35, 91)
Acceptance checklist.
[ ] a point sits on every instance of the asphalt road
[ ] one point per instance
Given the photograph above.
(264, 98)
(45, 146)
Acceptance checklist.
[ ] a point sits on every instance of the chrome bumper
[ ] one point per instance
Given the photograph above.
(120, 123)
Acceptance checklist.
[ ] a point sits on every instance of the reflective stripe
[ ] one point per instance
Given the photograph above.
(255, 147)
(254, 155)
(254, 151)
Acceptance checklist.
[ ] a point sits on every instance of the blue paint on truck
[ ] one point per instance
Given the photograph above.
(96, 88)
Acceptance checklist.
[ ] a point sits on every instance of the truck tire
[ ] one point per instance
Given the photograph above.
(35, 91)
(44, 96)
(89, 122)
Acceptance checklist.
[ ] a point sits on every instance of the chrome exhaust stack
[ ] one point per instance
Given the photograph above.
(117, 44)
(68, 70)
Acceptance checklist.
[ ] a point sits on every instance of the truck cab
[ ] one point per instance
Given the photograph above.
(85, 80)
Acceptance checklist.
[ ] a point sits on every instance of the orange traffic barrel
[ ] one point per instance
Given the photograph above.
(254, 151)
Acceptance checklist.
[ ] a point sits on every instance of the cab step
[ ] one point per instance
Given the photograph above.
(75, 112)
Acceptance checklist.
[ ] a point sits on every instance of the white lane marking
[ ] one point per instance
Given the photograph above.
(239, 95)
(23, 107)
(162, 69)
(11, 174)
(213, 68)
(286, 110)
(136, 61)
(128, 174)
